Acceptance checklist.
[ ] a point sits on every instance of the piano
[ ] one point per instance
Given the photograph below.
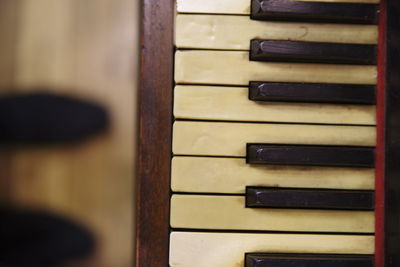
(269, 134)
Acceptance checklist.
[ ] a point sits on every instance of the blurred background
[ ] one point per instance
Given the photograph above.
(87, 49)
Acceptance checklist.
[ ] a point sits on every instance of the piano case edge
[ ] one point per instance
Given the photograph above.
(155, 133)
(387, 208)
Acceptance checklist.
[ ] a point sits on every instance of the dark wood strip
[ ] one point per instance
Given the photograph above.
(309, 52)
(380, 142)
(312, 92)
(10, 13)
(392, 136)
(309, 198)
(155, 124)
(287, 10)
(334, 156)
(309, 260)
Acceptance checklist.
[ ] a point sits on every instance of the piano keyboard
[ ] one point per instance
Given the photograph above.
(274, 134)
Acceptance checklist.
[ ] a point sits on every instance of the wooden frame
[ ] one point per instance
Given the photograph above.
(380, 151)
(388, 144)
(155, 119)
(155, 127)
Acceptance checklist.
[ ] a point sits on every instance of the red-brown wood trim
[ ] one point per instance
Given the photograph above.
(380, 143)
(155, 123)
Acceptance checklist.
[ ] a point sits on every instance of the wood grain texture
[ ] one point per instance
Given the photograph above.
(155, 122)
(8, 32)
(84, 49)
(8, 36)
(380, 141)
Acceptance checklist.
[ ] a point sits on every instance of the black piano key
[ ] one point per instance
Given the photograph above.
(334, 156)
(309, 260)
(310, 52)
(312, 92)
(287, 10)
(309, 198)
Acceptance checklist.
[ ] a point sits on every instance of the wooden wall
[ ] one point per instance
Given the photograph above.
(85, 48)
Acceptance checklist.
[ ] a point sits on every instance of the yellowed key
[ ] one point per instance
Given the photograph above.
(230, 175)
(231, 213)
(228, 249)
(236, 6)
(235, 32)
(235, 68)
(230, 139)
(233, 104)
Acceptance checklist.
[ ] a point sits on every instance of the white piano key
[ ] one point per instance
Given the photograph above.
(230, 213)
(231, 176)
(228, 249)
(236, 6)
(230, 139)
(235, 32)
(232, 104)
(235, 68)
